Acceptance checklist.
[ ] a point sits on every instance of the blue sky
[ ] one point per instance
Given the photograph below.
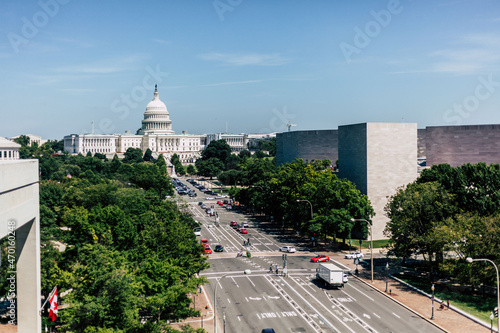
(248, 66)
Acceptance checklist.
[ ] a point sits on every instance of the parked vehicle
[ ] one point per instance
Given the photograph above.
(332, 276)
(219, 248)
(208, 250)
(197, 231)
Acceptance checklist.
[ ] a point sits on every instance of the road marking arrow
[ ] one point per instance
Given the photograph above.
(366, 316)
(255, 298)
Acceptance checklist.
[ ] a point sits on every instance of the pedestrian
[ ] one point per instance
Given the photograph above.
(277, 270)
(448, 303)
(271, 268)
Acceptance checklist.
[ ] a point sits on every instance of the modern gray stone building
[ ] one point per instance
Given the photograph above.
(379, 158)
(308, 145)
(20, 223)
(457, 145)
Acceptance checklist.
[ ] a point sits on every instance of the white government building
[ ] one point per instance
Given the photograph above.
(156, 134)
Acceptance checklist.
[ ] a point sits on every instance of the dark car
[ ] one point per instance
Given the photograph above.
(268, 330)
(219, 248)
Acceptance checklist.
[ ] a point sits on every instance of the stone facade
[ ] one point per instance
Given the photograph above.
(20, 222)
(308, 145)
(457, 145)
(9, 150)
(379, 158)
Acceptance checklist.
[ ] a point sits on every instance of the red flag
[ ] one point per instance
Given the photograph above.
(53, 306)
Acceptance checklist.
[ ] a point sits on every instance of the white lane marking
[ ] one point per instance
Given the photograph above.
(376, 315)
(258, 316)
(234, 281)
(247, 299)
(361, 292)
(348, 295)
(396, 315)
(228, 300)
(295, 306)
(255, 298)
(273, 297)
(349, 313)
(320, 303)
(367, 316)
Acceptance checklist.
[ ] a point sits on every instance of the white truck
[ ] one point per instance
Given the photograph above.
(332, 275)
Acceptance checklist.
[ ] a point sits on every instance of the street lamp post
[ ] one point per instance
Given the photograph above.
(309, 204)
(298, 200)
(247, 271)
(386, 275)
(371, 242)
(432, 288)
(470, 260)
(492, 316)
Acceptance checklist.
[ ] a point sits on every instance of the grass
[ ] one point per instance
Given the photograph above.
(474, 304)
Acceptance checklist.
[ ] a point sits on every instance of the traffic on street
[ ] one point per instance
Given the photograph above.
(276, 284)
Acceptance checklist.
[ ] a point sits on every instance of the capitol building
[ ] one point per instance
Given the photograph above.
(156, 134)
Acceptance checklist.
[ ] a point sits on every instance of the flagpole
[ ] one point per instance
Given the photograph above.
(50, 295)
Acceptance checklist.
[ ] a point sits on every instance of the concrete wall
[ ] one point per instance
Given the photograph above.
(457, 145)
(379, 158)
(19, 216)
(308, 145)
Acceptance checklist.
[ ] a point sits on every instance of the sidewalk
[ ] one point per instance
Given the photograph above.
(206, 320)
(448, 319)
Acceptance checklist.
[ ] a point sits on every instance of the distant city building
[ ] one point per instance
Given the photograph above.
(9, 150)
(156, 134)
(33, 139)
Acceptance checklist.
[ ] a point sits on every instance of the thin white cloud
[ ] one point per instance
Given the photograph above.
(250, 59)
(107, 66)
(161, 41)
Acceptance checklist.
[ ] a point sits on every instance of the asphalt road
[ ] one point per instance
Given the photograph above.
(296, 303)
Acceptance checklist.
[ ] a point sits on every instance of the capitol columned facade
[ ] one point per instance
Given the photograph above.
(157, 135)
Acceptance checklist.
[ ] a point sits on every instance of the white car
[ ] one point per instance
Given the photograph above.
(345, 278)
(209, 198)
(289, 249)
(197, 232)
(354, 255)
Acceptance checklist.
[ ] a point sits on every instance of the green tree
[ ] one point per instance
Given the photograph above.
(133, 155)
(415, 212)
(209, 168)
(148, 155)
(162, 165)
(191, 169)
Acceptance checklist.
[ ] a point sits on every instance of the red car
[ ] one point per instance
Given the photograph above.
(320, 258)
(208, 250)
(204, 241)
(233, 223)
(244, 230)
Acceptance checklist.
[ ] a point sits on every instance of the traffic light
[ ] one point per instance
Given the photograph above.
(496, 312)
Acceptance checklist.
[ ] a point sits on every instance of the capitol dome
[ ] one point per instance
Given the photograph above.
(156, 118)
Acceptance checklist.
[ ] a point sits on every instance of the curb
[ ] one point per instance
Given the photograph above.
(401, 304)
